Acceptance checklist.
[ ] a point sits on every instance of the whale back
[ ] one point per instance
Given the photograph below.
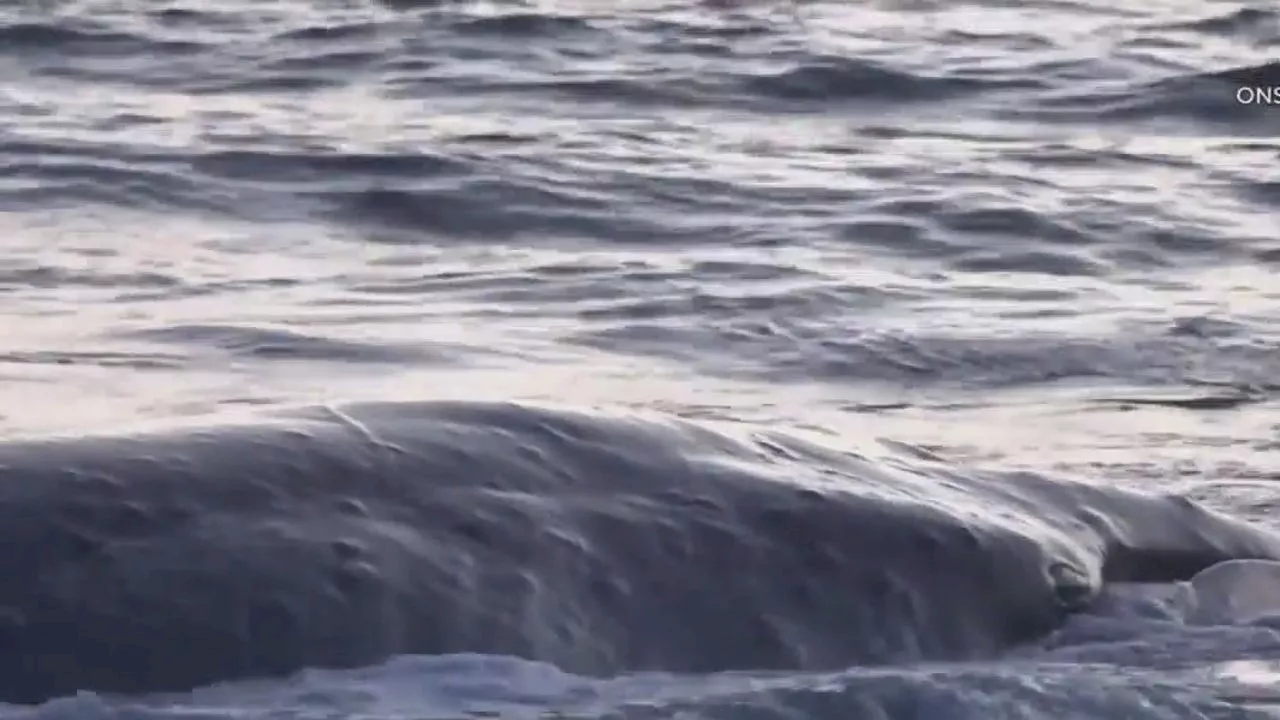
(338, 537)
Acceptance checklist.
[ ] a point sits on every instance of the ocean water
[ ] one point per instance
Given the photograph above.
(894, 249)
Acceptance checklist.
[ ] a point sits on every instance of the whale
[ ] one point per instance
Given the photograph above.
(1236, 592)
(339, 536)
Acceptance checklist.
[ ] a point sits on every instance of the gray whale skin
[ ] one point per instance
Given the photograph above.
(340, 536)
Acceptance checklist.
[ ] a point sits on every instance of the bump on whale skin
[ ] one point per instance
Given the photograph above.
(1235, 592)
(338, 537)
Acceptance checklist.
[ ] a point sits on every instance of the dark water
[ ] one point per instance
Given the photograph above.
(1038, 240)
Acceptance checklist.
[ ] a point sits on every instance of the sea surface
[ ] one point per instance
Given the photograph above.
(1038, 237)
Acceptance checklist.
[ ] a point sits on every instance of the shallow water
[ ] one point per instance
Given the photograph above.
(1023, 236)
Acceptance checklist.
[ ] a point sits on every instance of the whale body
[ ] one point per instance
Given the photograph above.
(341, 536)
(1235, 592)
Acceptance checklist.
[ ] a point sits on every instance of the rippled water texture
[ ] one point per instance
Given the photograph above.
(1028, 235)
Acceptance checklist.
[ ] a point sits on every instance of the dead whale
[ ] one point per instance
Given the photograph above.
(341, 536)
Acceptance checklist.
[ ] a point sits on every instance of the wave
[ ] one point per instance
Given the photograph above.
(1186, 99)
(838, 79)
(239, 341)
(70, 39)
(344, 536)
(1245, 21)
(798, 348)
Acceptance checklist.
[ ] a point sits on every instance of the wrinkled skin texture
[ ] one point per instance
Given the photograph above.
(339, 537)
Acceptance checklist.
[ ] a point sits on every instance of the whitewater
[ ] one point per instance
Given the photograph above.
(736, 360)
